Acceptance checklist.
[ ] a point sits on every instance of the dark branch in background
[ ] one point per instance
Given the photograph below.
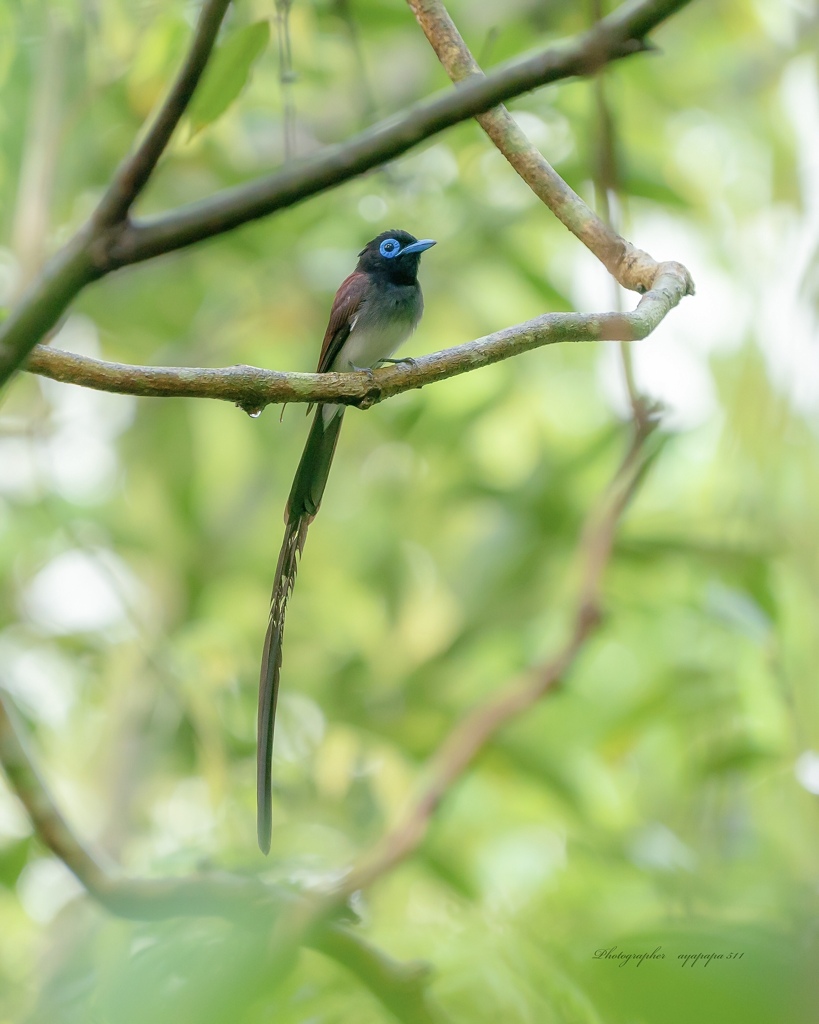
(253, 388)
(402, 988)
(133, 174)
(95, 251)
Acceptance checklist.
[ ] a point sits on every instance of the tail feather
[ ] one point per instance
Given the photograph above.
(302, 506)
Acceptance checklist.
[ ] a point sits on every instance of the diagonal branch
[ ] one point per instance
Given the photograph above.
(133, 173)
(95, 251)
(620, 35)
(476, 730)
(144, 899)
(633, 268)
(253, 388)
(400, 987)
(77, 264)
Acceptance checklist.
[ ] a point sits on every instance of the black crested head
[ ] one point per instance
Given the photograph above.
(394, 254)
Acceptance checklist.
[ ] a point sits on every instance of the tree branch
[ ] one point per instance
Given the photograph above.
(253, 388)
(607, 187)
(470, 736)
(633, 268)
(401, 988)
(132, 175)
(143, 899)
(618, 36)
(95, 251)
(78, 263)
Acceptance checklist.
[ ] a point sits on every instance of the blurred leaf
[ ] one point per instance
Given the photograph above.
(227, 73)
(738, 610)
(13, 858)
(742, 755)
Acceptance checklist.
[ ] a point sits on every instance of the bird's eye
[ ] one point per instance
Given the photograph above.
(389, 248)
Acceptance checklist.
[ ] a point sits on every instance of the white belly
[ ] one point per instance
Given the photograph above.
(367, 346)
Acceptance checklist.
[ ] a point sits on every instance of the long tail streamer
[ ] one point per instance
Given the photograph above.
(302, 506)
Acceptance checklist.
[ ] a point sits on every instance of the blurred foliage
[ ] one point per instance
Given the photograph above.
(667, 796)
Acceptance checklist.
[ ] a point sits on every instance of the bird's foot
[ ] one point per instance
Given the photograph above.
(364, 369)
(408, 360)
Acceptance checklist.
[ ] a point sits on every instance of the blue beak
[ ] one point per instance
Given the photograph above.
(425, 243)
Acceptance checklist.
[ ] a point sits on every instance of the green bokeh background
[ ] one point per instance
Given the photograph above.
(666, 797)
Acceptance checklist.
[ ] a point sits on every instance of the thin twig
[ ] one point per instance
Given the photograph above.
(253, 388)
(286, 77)
(607, 186)
(369, 106)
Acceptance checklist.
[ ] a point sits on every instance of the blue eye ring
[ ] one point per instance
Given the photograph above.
(389, 248)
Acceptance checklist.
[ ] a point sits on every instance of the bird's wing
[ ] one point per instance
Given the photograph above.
(342, 317)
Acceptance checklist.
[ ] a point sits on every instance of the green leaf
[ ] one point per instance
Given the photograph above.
(227, 74)
(13, 858)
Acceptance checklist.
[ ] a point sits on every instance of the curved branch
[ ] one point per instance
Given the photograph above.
(633, 268)
(253, 388)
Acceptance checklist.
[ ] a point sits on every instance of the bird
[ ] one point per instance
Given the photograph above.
(374, 311)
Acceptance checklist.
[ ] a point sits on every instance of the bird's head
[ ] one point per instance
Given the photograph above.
(394, 253)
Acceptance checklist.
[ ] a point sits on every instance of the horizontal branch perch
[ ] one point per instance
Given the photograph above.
(253, 388)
